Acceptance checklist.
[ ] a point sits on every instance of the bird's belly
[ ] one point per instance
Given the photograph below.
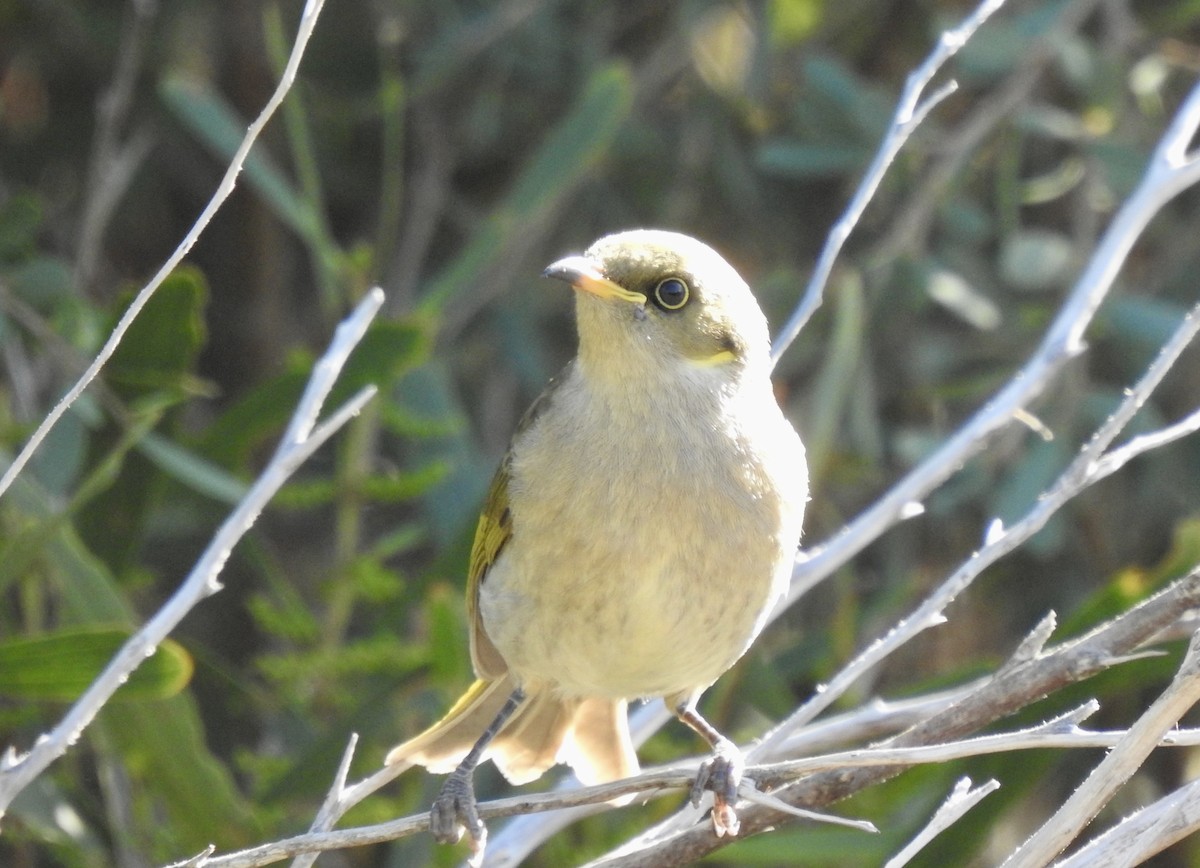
(651, 644)
(606, 623)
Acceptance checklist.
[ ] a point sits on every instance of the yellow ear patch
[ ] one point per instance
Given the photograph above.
(715, 359)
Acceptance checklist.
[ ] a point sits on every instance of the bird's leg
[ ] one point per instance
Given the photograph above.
(722, 774)
(455, 809)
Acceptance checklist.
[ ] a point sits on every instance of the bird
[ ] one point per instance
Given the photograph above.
(634, 538)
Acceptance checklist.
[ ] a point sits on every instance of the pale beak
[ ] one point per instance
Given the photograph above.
(582, 273)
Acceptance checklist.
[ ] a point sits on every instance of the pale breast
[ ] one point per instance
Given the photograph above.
(647, 551)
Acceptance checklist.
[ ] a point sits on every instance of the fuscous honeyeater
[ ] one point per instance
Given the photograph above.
(636, 535)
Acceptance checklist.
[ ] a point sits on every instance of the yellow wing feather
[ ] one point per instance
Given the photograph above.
(492, 532)
(495, 528)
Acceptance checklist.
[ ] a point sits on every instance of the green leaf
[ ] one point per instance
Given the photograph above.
(1121, 164)
(394, 487)
(962, 298)
(1019, 489)
(61, 458)
(1036, 259)
(836, 380)
(453, 504)
(375, 583)
(259, 416)
(1133, 583)
(286, 617)
(60, 666)
(192, 470)
(389, 349)
(175, 772)
(160, 348)
(809, 160)
(166, 746)
(403, 539)
(151, 370)
(42, 282)
(839, 107)
(1141, 323)
(449, 660)
(578, 141)
(793, 21)
(43, 524)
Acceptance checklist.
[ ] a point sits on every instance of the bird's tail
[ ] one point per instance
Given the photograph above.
(590, 735)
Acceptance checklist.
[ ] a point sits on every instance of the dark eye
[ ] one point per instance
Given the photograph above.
(671, 294)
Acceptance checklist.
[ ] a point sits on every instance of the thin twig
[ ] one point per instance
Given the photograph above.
(911, 110)
(955, 148)
(341, 798)
(308, 20)
(113, 163)
(960, 800)
(750, 793)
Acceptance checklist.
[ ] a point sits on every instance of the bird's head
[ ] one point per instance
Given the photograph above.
(665, 297)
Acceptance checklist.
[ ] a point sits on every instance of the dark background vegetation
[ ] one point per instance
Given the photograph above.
(448, 151)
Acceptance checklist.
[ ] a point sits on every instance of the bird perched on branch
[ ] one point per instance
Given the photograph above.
(636, 535)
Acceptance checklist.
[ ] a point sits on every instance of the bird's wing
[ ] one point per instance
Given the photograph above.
(494, 530)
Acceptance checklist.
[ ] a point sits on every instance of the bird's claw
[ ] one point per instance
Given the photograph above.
(454, 811)
(722, 775)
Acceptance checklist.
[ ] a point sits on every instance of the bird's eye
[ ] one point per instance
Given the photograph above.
(671, 294)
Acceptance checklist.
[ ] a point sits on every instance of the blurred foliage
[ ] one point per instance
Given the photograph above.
(447, 151)
(60, 666)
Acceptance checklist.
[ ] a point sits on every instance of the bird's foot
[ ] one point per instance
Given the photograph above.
(454, 811)
(723, 775)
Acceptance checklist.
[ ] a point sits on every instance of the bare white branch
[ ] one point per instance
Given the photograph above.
(308, 20)
(341, 798)
(1060, 732)
(1164, 179)
(878, 718)
(329, 813)
(911, 110)
(748, 792)
(1084, 471)
(302, 439)
(1116, 768)
(961, 800)
(1140, 836)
